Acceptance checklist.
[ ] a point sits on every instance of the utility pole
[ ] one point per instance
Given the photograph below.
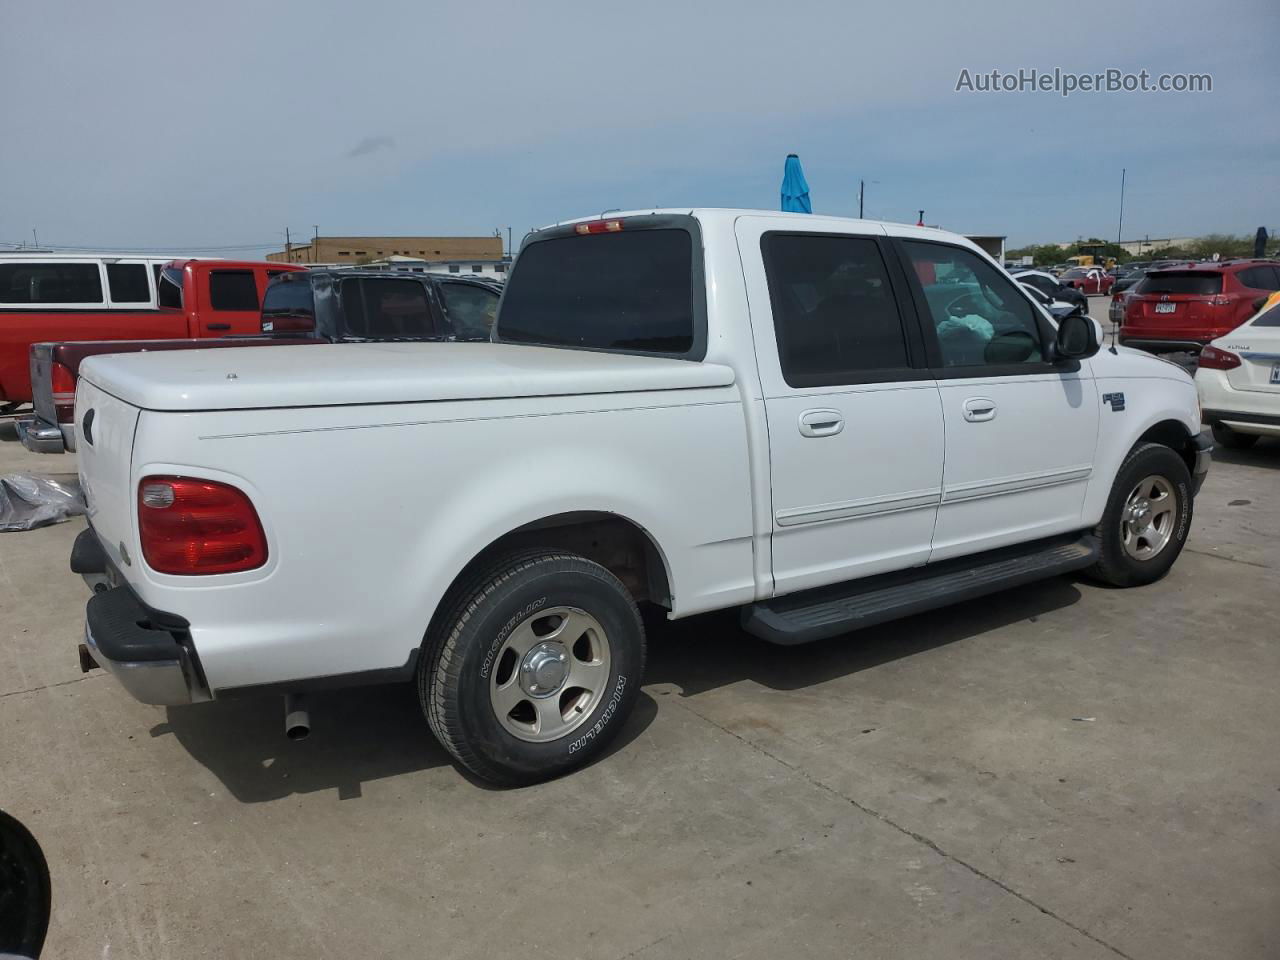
(510, 252)
(288, 247)
(315, 241)
(35, 238)
(1120, 227)
(862, 188)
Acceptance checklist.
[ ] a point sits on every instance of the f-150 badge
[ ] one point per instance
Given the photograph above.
(1115, 399)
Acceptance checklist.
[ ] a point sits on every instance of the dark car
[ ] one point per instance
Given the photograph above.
(380, 305)
(1184, 307)
(1050, 286)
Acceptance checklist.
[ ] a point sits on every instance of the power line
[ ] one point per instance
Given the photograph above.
(167, 248)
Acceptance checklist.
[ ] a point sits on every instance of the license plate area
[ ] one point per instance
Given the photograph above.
(1166, 307)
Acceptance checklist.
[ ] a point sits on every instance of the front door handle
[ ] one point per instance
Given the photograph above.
(821, 423)
(978, 409)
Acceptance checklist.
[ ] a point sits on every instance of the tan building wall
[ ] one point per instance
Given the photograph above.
(364, 249)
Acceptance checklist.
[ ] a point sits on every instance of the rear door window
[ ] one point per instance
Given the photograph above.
(51, 283)
(128, 283)
(834, 313)
(1201, 283)
(233, 290)
(1269, 319)
(625, 291)
(386, 309)
(471, 309)
(169, 288)
(1260, 278)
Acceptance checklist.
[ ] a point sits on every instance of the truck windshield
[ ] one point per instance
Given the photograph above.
(613, 291)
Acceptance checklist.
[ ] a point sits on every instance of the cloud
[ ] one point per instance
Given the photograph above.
(372, 145)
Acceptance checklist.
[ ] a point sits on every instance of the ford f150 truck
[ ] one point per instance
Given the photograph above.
(88, 297)
(821, 423)
(311, 306)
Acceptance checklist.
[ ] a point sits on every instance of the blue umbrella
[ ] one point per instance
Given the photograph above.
(795, 189)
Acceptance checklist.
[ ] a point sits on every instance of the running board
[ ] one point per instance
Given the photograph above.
(831, 611)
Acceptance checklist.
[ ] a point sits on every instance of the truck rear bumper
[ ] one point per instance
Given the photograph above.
(1204, 457)
(40, 436)
(147, 651)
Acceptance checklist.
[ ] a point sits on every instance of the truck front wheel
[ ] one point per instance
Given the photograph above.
(534, 667)
(1147, 518)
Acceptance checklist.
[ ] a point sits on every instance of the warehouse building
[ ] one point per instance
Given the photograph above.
(355, 250)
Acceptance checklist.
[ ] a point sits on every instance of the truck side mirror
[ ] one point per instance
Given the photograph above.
(1077, 338)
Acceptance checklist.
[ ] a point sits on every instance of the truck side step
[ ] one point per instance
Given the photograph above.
(831, 611)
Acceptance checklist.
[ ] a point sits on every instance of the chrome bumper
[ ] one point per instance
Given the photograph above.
(148, 651)
(39, 436)
(159, 682)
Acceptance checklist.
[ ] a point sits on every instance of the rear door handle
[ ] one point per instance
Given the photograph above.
(219, 326)
(978, 409)
(821, 423)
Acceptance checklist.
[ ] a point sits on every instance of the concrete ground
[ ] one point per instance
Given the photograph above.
(1062, 770)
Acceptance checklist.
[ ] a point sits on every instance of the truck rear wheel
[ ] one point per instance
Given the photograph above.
(1147, 518)
(534, 668)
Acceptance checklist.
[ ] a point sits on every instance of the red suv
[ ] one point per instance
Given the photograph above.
(1185, 307)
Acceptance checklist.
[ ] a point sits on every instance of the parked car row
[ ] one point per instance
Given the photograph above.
(198, 304)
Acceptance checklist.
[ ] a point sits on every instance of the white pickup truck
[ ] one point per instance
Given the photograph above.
(823, 423)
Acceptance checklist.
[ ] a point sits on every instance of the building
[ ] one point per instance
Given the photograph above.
(991, 244)
(355, 250)
(1136, 248)
(473, 267)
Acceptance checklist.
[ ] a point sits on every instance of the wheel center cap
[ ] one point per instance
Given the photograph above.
(544, 669)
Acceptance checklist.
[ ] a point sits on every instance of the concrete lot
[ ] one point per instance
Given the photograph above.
(1059, 771)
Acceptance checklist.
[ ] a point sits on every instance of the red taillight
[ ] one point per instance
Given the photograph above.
(1211, 358)
(598, 226)
(190, 526)
(1221, 301)
(64, 392)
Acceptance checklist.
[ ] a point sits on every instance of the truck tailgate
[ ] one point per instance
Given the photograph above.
(104, 436)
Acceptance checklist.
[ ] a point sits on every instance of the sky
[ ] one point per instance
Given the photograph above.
(191, 128)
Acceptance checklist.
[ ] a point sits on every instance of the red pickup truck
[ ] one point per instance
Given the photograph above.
(46, 297)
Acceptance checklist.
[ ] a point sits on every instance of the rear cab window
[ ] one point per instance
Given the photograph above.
(633, 289)
(1203, 283)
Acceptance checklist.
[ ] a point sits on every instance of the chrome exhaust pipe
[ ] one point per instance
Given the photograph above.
(297, 719)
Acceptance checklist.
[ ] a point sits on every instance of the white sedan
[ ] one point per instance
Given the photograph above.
(1238, 379)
